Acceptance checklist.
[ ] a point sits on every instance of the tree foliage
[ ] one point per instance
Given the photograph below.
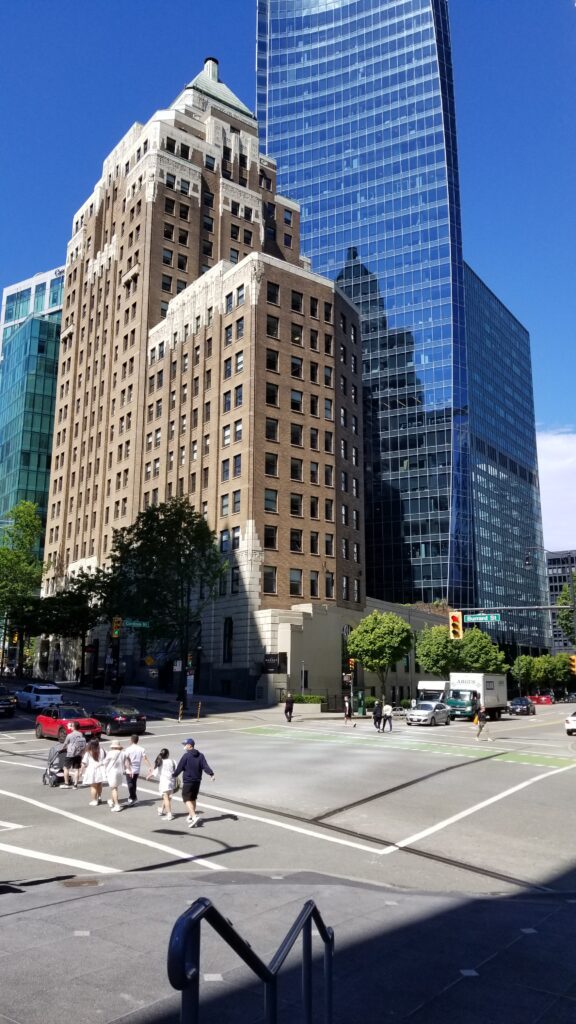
(436, 652)
(522, 671)
(477, 653)
(162, 569)
(566, 617)
(379, 641)
(21, 569)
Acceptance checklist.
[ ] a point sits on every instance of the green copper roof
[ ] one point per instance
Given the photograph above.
(208, 83)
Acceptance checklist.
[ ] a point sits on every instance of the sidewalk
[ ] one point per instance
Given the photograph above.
(99, 945)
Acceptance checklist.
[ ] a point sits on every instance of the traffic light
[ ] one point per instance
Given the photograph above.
(351, 664)
(572, 663)
(116, 626)
(455, 628)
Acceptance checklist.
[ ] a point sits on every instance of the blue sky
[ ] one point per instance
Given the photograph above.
(75, 74)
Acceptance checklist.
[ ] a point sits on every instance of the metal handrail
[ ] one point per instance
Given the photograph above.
(184, 959)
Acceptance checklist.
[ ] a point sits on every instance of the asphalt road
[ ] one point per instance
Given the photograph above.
(417, 807)
(430, 814)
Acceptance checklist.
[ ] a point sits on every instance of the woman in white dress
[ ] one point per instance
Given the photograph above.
(93, 773)
(164, 768)
(113, 765)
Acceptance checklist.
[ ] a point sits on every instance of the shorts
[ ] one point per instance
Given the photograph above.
(74, 761)
(190, 790)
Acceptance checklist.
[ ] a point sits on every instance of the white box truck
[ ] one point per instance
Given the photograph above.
(433, 689)
(470, 690)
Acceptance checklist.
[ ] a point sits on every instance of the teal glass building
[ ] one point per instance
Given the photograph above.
(355, 102)
(28, 372)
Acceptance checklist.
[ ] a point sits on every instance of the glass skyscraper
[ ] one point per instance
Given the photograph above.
(355, 101)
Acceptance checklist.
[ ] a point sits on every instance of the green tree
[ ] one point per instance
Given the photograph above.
(21, 569)
(72, 612)
(566, 617)
(522, 671)
(478, 653)
(164, 569)
(436, 652)
(544, 671)
(379, 641)
(562, 673)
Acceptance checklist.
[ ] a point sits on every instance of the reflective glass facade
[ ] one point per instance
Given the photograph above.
(39, 294)
(28, 372)
(510, 558)
(355, 103)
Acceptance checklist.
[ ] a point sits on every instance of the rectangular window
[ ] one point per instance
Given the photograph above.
(272, 326)
(314, 439)
(271, 360)
(273, 293)
(237, 430)
(269, 579)
(224, 505)
(314, 547)
(236, 502)
(296, 505)
(270, 464)
(314, 584)
(225, 473)
(271, 537)
(296, 334)
(272, 391)
(238, 396)
(225, 436)
(296, 540)
(270, 500)
(237, 465)
(271, 430)
(296, 466)
(296, 367)
(295, 582)
(297, 302)
(296, 435)
(296, 401)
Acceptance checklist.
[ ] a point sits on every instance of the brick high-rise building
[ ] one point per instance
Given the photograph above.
(201, 357)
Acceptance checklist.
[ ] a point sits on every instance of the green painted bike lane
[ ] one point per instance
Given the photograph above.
(485, 751)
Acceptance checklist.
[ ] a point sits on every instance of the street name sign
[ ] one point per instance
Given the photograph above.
(482, 618)
(137, 623)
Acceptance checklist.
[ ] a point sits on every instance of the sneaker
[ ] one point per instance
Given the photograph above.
(193, 821)
(110, 803)
(130, 801)
(116, 807)
(66, 785)
(169, 817)
(189, 818)
(93, 803)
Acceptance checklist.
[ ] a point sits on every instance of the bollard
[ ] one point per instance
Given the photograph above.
(181, 711)
(198, 711)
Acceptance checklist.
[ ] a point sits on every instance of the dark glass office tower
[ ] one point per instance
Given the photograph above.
(355, 101)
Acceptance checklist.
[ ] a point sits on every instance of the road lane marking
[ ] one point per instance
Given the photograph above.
(53, 859)
(6, 826)
(410, 840)
(279, 824)
(114, 831)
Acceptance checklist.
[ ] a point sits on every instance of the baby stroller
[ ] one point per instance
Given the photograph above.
(54, 774)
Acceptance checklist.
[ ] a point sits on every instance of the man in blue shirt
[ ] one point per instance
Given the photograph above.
(192, 765)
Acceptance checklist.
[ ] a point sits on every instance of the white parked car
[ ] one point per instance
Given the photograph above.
(570, 724)
(428, 712)
(38, 695)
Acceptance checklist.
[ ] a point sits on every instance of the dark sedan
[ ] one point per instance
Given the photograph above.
(7, 702)
(521, 706)
(116, 719)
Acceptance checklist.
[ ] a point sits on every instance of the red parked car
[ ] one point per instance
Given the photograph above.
(56, 722)
(541, 698)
